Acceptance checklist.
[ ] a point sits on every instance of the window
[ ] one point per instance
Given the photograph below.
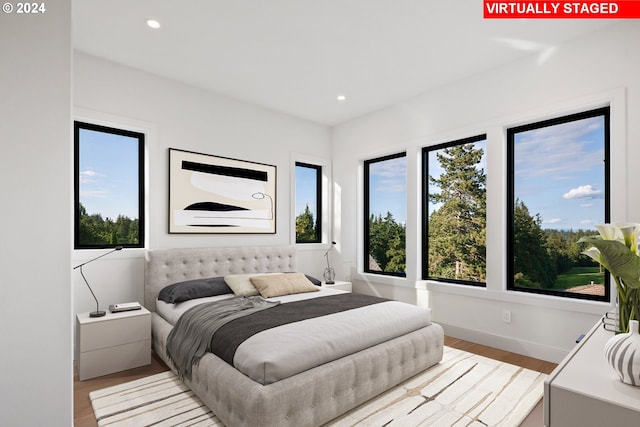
(385, 215)
(454, 211)
(308, 203)
(109, 187)
(558, 190)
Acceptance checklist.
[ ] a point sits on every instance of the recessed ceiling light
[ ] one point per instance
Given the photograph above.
(153, 23)
(341, 98)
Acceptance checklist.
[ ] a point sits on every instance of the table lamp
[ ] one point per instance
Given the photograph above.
(329, 273)
(98, 312)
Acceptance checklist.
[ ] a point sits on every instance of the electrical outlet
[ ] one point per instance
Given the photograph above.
(506, 316)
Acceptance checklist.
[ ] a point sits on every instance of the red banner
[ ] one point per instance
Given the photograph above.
(624, 9)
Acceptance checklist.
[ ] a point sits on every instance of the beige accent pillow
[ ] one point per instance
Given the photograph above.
(241, 285)
(275, 285)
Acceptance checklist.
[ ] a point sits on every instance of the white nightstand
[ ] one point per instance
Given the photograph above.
(344, 286)
(112, 343)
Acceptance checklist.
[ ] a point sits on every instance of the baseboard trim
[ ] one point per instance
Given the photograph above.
(550, 354)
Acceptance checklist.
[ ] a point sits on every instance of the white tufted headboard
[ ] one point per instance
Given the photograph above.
(166, 266)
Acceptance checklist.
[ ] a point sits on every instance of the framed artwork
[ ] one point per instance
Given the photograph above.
(211, 194)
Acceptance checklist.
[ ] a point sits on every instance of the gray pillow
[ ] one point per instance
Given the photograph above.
(196, 288)
(313, 280)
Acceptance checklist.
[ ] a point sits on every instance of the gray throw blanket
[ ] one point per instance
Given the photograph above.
(191, 336)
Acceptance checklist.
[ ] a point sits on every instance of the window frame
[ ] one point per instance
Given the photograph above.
(425, 210)
(79, 125)
(367, 213)
(319, 205)
(510, 196)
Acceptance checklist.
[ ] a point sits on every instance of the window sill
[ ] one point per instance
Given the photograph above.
(79, 255)
(515, 297)
(383, 279)
(311, 246)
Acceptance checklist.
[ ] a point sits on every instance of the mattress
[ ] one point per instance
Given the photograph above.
(283, 351)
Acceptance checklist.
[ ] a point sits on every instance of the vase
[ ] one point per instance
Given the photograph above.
(623, 354)
(628, 308)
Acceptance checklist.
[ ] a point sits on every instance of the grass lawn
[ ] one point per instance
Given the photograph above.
(579, 276)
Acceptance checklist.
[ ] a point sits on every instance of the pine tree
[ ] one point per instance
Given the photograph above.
(306, 230)
(387, 243)
(457, 230)
(532, 266)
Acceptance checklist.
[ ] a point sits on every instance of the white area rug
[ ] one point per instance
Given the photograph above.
(463, 390)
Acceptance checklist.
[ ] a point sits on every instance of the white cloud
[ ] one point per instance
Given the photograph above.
(559, 151)
(553, 220)
(583, 192)
(93, 194)
(391, 175)
(89, 176)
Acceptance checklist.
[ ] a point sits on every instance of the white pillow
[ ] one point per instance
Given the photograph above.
(241, 284)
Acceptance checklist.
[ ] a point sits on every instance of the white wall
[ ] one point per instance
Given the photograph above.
(584, 73)
(35, 113)
(174, 115)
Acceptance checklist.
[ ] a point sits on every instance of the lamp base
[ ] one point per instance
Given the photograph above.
(98, 313)
(329, 275)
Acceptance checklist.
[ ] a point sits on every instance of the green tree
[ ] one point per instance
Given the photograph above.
(387, 243)
(94, 230)
(396, 254)
(457, 230)
(532, 264)
(558, 244)
(306, 227)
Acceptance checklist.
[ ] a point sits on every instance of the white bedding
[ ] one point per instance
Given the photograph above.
(286, 350)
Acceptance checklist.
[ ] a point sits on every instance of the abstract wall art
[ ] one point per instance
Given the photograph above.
(212, 194)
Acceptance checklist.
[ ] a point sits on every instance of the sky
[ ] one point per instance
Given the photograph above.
(108, 174)
(306, 190)
(388, 188)
(559, 173)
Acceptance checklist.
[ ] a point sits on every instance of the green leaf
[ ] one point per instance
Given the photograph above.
(616, 257)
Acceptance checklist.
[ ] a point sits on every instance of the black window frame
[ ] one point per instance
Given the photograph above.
(511, 132)
(78, 126)
(425, 210)
(319, 207)
(367, 214)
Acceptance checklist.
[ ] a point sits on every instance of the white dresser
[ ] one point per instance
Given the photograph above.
(112, 343)
(584, 391)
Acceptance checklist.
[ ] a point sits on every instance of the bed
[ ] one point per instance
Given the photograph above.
(311, 397)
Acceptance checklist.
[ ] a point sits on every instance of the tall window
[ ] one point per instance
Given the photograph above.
(454, 211)
(308, 203)
(109, 187)
(558, 191)
(385, 215)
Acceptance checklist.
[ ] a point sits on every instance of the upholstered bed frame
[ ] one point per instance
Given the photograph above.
(310, 398)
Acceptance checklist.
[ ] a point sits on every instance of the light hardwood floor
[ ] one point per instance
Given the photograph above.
(83, 413)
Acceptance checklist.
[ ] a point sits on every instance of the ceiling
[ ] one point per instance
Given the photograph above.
(297, 56)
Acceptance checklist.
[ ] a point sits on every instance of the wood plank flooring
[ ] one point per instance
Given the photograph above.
(83, 413)
(82, 410)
